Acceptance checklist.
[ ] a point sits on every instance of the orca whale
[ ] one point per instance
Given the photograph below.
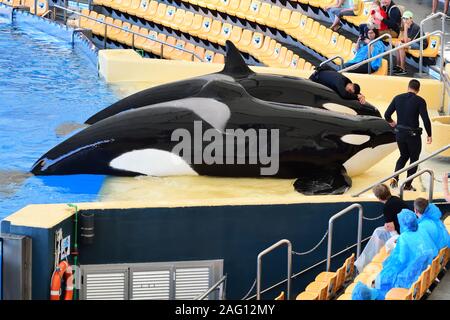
(270, 87)
(315, 146)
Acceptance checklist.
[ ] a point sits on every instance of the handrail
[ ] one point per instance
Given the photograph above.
(405, 45)
(308, 268)
(446, 81)
(386, 35)
(221, 282)
(47, 12)
(132, 32)
(331, 59)
(330, 230)
(289, 267)
(430, 188)
(412, 165)
(443, 17)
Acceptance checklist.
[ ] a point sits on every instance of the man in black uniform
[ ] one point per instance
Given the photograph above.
(342, 85)
(408, 107)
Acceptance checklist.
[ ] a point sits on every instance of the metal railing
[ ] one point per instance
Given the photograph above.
(417, 174)
(443, 17)
(134, 34)
(333, 58)
(221, 285)
(412, 165)
(289, 267)
(446, 81)
(330, 230)
(386, 35)
(402, 46)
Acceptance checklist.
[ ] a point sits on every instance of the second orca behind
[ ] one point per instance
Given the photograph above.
(320, 148)
(269, 87)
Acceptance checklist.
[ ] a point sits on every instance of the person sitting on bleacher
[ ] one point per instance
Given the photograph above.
(377, 14)
(363, 53)
(413, 252)
(334, 80)
(363, 292)
(430, 222)
(342, 8)
(411, 31)
(393, 20)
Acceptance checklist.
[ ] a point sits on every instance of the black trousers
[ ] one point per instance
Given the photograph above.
(364, 69)
(410, 148)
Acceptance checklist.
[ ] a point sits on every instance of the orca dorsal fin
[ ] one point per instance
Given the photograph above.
(235, 65)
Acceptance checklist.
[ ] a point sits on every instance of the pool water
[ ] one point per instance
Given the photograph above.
(46, 89)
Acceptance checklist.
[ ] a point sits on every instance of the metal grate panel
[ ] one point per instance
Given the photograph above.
(151, 285)
(191, 282)
(105, 286)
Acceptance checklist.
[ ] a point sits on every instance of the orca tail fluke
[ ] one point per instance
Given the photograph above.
(234, 62)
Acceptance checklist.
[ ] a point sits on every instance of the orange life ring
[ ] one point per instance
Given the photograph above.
(63, 270)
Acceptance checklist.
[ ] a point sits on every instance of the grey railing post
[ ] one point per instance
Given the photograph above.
(330, 230)
(417, 174)
(443, 17)
(331, 59)
(289, 267)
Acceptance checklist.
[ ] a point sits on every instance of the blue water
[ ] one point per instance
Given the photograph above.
(43, 84)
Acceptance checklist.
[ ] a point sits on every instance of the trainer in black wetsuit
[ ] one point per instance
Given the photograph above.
(408, 107)
(342, 85)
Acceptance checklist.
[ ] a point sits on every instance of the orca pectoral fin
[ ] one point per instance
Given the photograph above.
(324, 181)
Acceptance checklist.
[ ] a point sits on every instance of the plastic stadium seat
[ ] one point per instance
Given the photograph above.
(335, 46)
(160, 13)
(143, 7)
(83, 20)
(294, 23)
(431, 51)
(225, 33)
(294, 61)
(124, 36)
(266, 49)
(349, 263)
(112, 32)
(380, 256)
(301, 64)
(187, 22)
(236, 34)
(363, 17)
(257, 41)
(318, 287)
(139, 41)
(274, 15)
(123, 6)
(99, 28)
(412, 293)
(345, 296)
(151, 11)
(287, 59)
(169, 16)
(308, 296)
(280, 296)
(308, 66)
(253, 10)
(312, 34)
(383, 70)
(425, 281)
(134, 37)
(283, 20)
(177, 54)
(264, 12)
(168, 50)
(204, 30)
(209, 56)
(152, 46)
(324, 3)
(366, 278)
(244, 7)
(134, 6)
(233, 7)
(177, 20)
(350, 288)
(322, 40)
(340, 277)
(373, 268)
(246, 40)
(199, 51)
(12, 3)
(214, 33)
(90, 23)
(222, 5)
(197, 24)
(219, 58)
(212, 4)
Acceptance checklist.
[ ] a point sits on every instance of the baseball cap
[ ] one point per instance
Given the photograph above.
(407, 15)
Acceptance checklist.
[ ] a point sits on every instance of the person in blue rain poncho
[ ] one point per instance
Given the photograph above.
(413, 252)
(363, 292)
(363, 53)
(430, 222)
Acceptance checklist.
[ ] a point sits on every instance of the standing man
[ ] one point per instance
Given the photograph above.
(435, 5)
(408, 107)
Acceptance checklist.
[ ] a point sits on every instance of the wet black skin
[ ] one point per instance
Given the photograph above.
(309, 138)
(270, 87)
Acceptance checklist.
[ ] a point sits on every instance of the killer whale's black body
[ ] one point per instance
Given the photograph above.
(311, 145)
(270, 87)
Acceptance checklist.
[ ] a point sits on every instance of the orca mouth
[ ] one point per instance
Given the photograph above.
(38, 167)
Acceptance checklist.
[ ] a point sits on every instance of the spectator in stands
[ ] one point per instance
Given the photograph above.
(411, 31)
(408, 107)
(377, 14)
(386, 234)
(362, 292)
(394, 19)
(412, 254)
(363, 53)
(430, 222)
(340, 9)
(445, 186)
(435, 4)
(342, 85)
